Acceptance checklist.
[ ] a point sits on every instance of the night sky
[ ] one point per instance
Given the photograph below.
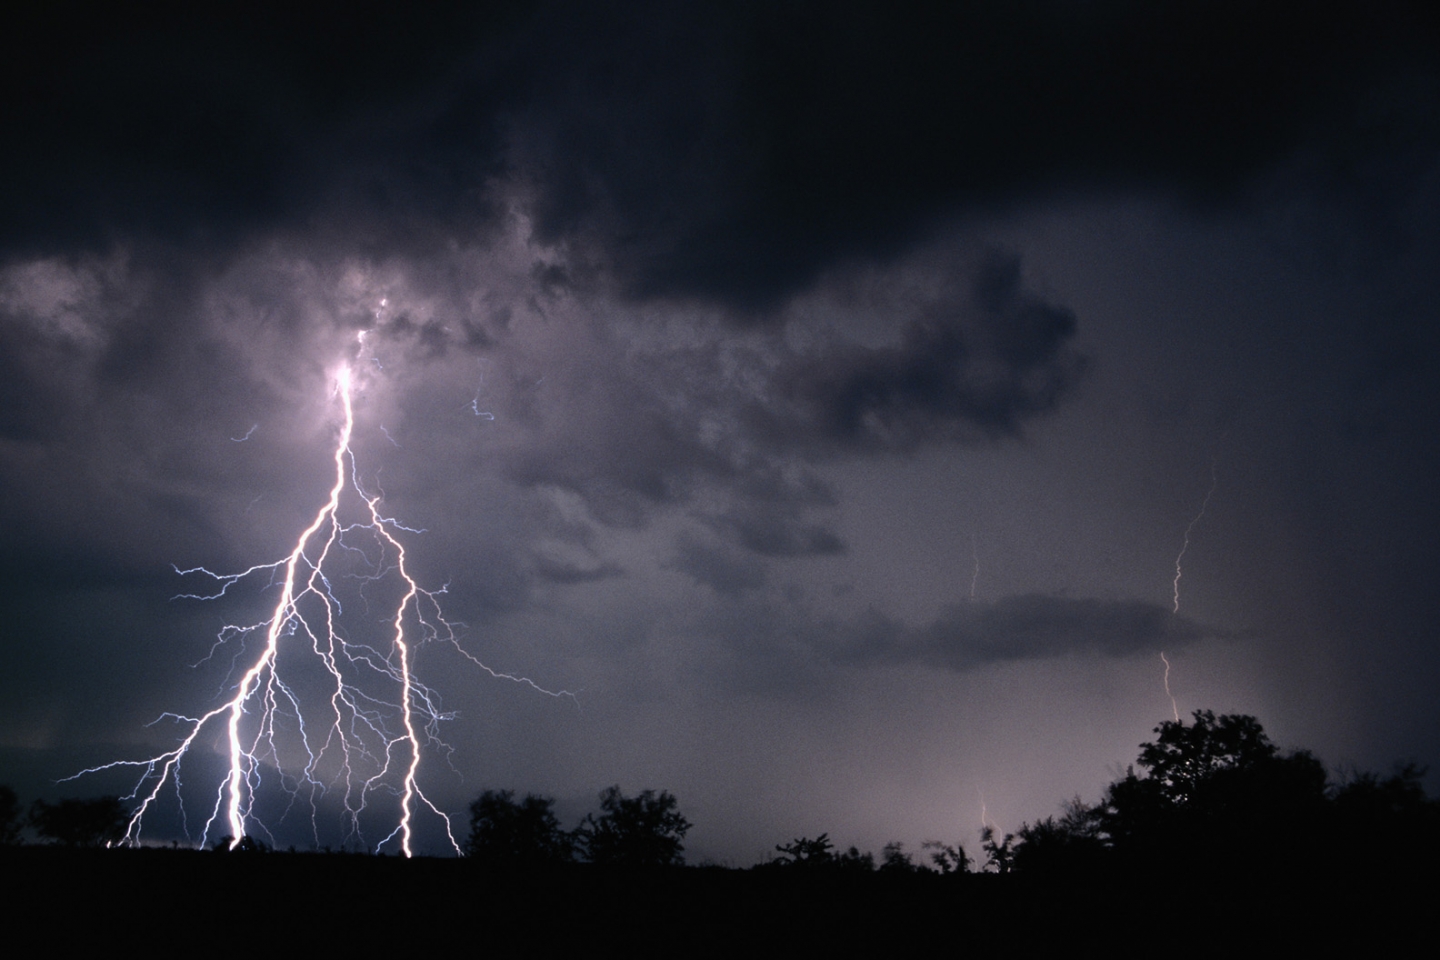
(822, 392)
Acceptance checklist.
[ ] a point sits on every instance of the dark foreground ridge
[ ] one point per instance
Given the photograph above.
(1221, 839)
(198, 900)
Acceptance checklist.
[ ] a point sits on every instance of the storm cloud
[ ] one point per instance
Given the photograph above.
(828, 393)
(967, 636)
(728, 152)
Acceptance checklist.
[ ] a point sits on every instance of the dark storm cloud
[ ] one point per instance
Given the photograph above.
(966, 366)
(1030, 627)
(772, 531)
(31, 402)
(564, 572)
(208, 123)
(735, 425)
(730, 152)
(726, 571)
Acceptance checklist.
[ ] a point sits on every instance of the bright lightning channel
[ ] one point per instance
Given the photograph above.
(372, 743)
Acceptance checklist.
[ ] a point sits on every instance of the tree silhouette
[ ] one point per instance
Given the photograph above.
(894, 859)
(10, 817)
(820, 854)
(999, 855)
(642, 831)
(948, 859)
(853, 859)
(1380, 802)
(80, 823)
(1215, 794)
(805, 852)
(511, 835)
(1217, 784)
(1391, 823)
(1184, 760)
(1070, 845)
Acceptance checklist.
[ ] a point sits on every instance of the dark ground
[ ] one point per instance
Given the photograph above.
(202, 901)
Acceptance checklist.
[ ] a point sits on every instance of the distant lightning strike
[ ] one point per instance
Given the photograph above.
(1184, 546)
(985, 820)
(1174, 707)
(475, 406)
(364, 748)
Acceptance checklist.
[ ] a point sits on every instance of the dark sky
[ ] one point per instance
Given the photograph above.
(853, 376)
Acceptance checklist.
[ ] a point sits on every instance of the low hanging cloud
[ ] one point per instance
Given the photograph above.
(967, 636)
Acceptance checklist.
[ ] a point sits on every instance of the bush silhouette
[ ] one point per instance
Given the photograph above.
(642, 831)
(10, 818)
(80, 823)
(1216, 784)
(507, 834)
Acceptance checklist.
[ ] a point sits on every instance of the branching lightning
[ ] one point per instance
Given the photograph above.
(374, 719)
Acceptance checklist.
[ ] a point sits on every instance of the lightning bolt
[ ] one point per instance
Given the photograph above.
(1174, 707)
(1214, 481)
(369, 742)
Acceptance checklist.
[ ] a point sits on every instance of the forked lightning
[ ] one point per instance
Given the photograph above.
(375, 717)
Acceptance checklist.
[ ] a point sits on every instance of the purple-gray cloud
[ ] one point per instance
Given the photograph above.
(722, 350)
(967, 636)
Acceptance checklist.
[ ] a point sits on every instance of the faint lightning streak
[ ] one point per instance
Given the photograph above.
(975, 574)
(1214, 481)
(1174, 707)
(357, 731)
(985, 820)
(248, 433)
(475, 408)
(475, 403)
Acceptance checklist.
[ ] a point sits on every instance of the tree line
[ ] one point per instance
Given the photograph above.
(641, 831)
(1212, 794)
(1217, 795)
(94, 822)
